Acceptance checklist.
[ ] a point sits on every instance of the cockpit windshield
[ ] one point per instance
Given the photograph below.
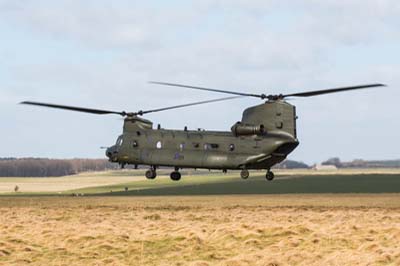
(119, 141)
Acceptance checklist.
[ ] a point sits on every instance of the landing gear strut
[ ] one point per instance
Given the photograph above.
(244, 174)
(151, 173)
(175, 175)
(270, 175)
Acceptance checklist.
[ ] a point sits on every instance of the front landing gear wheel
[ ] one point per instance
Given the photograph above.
(269, 176)
(244, 174)
(151, 174)
(176, 176)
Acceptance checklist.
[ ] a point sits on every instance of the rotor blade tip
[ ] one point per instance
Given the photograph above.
(379, 85)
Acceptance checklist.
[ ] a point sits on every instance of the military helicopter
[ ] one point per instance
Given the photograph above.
(264, 137)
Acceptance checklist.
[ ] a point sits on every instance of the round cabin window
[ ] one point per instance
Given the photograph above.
(159, 145)
(181, 146)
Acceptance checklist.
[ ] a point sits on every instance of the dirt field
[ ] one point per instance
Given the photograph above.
(208, 230)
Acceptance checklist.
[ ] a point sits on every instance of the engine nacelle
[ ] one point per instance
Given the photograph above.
(240, 129)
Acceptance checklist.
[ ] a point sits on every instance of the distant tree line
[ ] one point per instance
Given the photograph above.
(40, 167)
(289, 164)
(43, 167)
(359, 163)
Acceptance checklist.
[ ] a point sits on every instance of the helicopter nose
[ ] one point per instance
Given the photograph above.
(110, 152)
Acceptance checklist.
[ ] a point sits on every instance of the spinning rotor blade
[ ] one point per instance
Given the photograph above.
(277, 96)
(123, 113)
(73, 108)
(262, 96)
(319, 92)
(186, 105)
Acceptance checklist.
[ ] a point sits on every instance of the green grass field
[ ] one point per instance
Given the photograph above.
(255, 185)
(207, 184)
(203, 183)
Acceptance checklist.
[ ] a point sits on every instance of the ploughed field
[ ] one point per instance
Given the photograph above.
(295, 229)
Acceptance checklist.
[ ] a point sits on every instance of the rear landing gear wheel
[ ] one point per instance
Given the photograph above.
(176, 176)
(269, 176)
(244, 174)
(151, 174)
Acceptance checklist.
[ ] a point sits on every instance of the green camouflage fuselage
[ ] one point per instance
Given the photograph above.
(264, 137)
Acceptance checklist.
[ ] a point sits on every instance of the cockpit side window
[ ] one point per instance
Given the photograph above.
(119, 141)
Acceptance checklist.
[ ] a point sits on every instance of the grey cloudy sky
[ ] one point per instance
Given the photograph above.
(102, 53)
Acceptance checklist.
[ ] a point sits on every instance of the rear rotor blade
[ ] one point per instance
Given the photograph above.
(186, 105)
(73, 108)
(262, 96)
(319, 92)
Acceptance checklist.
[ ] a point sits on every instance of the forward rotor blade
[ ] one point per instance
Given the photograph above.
(186, 105)
(319, 92)
(73, 108)
(262, 96)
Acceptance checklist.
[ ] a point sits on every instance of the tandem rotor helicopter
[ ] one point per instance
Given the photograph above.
(264, 137)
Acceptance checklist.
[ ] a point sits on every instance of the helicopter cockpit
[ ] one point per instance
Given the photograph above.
(112, 151)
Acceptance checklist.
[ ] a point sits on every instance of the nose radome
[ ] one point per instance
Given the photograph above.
(109, 152)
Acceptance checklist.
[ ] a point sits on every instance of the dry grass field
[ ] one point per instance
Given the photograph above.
(56, 184)
(319, 229)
